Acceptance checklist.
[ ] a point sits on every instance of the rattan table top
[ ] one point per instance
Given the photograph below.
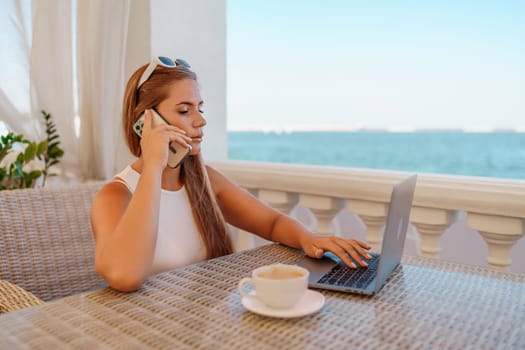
(426, 304)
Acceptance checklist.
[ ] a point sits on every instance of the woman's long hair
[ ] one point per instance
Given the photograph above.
(206, 211)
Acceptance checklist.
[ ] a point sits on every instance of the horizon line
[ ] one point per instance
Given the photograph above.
(320, 128)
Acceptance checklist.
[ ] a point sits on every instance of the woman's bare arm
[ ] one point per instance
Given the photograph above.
(125, 229)
(243, 210)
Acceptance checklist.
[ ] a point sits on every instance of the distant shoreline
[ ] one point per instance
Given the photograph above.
(383, 130)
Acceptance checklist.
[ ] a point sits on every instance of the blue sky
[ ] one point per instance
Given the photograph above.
(376, 64)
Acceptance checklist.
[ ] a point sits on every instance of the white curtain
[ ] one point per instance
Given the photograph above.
(15, 48)
(102, 39)
(51, 73)
(37, 69)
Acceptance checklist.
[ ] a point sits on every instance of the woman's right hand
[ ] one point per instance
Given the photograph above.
(156, 139)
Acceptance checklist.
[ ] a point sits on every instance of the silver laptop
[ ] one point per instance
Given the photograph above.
(331, 273)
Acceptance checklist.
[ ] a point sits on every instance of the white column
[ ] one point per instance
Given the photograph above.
(246, 240)
(324, 209)
(196, 31)
(374, 216)
(500, 233)
(431, 223)
(282, 201)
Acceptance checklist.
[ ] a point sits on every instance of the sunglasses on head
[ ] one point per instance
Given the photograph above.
(164, 62)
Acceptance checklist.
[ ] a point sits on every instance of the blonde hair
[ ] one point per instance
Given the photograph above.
(205, 208)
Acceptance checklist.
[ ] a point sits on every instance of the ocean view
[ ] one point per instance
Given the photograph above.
(500, 155)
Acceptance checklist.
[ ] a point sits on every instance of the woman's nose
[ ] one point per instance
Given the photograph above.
(200, 121)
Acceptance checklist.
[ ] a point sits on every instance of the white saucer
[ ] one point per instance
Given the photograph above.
(311, 302)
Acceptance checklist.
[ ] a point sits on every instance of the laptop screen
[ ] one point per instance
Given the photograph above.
(396, 229)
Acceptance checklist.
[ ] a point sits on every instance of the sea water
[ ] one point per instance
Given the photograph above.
(500, 155)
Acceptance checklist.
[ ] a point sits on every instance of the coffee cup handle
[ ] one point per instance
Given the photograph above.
(245, 280)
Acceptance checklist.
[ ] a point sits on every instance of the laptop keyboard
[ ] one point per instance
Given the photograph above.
(360, 277)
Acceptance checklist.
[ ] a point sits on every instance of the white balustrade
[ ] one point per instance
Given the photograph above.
(495, 207)
(282, 201)
(373, 215)
(500, 233)
(246, 240)
(324, 209)
(431, 223)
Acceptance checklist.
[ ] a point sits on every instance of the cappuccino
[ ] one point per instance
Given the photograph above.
(281, 272)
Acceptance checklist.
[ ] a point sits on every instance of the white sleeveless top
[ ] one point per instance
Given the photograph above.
(178, 240)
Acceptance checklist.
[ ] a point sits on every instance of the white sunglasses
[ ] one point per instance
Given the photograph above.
(164, 62)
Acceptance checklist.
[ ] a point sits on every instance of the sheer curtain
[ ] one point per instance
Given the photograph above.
(15, 49)
(51, 72)
(38, 70)
(102, 39)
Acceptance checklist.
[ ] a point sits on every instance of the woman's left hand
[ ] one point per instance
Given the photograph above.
(315, 247)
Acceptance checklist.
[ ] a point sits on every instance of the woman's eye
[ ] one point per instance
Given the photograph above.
(201, 111)
(183, 112)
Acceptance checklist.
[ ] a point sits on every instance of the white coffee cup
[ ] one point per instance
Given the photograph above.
(279, 286)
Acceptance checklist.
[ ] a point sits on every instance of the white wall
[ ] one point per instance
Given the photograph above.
(196, 31)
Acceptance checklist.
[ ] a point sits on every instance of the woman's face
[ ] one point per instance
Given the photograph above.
(183, 108)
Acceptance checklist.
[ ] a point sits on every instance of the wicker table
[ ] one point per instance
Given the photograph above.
(426, 304)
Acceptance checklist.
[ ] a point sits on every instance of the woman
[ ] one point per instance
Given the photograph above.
(153, 218)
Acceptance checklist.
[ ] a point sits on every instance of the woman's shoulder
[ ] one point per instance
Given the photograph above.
(112, 193)
(211, 170)
(215, 176)
(121, 184)
(220, 182)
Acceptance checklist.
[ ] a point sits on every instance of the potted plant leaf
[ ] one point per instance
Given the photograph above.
(17, 172)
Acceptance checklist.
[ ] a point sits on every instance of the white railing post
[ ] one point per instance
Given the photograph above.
(246, 240)
(373, 215)
(282, 201)
(324, 209)
(500, 233)
(431, 223)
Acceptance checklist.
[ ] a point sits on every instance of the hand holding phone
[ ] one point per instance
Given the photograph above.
(176, 152)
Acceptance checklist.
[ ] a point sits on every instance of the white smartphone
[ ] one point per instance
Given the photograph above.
(177, 152)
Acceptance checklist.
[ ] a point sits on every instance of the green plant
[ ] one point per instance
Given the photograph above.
(53, 152)
(13, 175)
